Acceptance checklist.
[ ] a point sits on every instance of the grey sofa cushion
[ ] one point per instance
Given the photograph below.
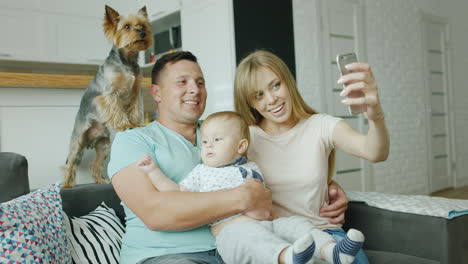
(444, 240)
(82, 199)
(382, 257)
(14, 180)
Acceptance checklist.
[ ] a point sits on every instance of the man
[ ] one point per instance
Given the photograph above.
(170, 227)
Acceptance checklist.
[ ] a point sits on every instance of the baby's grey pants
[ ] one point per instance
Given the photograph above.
(260, 242)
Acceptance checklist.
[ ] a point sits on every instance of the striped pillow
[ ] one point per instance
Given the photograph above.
(95, 237)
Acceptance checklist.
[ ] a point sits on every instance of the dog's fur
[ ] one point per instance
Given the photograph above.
(113, 98)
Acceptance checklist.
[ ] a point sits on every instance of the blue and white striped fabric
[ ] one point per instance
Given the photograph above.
(95, 237)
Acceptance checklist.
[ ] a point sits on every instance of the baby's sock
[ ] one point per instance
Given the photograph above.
(342, 252)
(346, 249)
(301, 251)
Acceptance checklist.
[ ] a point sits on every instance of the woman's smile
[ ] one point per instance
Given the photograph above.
(277, 109)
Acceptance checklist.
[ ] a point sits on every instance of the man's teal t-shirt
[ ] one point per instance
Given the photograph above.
(176, 156)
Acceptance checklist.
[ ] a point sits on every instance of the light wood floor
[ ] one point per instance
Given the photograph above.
(458, 193)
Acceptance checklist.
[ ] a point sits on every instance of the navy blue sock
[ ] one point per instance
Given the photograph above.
(346, 246)
(304, 256)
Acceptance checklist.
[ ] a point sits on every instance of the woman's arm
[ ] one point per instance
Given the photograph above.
(172, 211)
(373, 146)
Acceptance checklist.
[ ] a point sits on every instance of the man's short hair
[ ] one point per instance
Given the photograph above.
(170, 58)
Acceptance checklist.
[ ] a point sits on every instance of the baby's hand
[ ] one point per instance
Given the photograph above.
(146, 164)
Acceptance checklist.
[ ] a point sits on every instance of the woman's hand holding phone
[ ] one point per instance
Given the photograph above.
(361, 80)
(342, 60)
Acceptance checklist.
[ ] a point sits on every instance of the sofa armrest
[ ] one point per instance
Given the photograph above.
(436, 238)
(14, 180)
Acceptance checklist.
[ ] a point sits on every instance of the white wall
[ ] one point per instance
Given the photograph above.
(307, 52)
(208, 32)
(37, 124)
(393, 33)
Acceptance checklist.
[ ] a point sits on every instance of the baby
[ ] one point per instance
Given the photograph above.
(225, 140)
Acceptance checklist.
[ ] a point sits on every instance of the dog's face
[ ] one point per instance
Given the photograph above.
(131, 32)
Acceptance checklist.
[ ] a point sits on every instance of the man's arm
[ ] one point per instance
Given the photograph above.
(337, 205)
(173, 211)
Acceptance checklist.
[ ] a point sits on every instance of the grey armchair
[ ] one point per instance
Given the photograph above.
(14, 180)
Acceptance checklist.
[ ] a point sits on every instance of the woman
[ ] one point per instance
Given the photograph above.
(294, 145)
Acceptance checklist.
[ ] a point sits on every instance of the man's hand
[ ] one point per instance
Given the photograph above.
(257, 198)
(337, 205)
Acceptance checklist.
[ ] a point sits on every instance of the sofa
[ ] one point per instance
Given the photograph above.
(391, 237)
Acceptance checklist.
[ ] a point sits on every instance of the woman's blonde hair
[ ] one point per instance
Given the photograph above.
(245, 83)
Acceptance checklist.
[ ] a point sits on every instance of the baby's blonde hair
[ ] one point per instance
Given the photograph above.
(231, 116)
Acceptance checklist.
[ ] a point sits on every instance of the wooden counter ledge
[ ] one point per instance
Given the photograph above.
(42, 80)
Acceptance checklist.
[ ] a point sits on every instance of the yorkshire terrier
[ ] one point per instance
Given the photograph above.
(113, 98)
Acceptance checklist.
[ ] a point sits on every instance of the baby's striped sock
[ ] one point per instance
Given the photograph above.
(301, 251)
(341, 252)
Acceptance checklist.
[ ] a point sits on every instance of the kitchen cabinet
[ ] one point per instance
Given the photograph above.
(66, 31)
(159, 8)
(56, 31)
(83, 8)
(76, 40)
(23, 4)
(23, 35)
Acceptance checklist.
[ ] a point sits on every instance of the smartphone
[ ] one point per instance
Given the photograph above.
(341, 61)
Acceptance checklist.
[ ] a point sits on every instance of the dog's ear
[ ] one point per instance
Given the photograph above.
(111, 16)
(111, 19)
(143, 12)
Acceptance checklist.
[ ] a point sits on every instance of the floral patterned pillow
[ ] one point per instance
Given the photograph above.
(32, 229)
